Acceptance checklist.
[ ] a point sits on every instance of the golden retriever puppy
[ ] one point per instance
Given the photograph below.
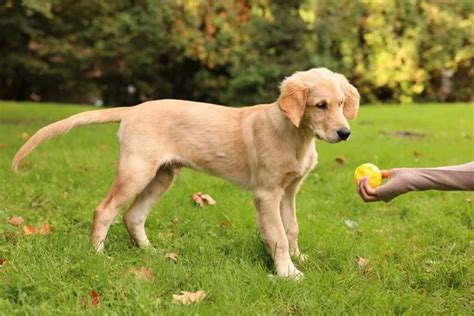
(268, 149)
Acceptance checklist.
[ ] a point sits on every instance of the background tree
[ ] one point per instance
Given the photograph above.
(233, 51)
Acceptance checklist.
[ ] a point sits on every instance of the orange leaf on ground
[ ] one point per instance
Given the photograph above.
(45, 228)
(203, 199)
(187, 298)
(171, 256)
(143, 273)
(3, 262)
(16, 220)
(29, 229)
(95, 298)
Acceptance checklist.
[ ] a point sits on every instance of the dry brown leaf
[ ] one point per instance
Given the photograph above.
(225, 223)
(174, 222)
(364, 265)
(341, 160)
(45, 228)
(24, 136)
(362, 262)
(203, 199)
(187, 298)
(171, 256)
(83, 168)
(29, 229)
(3, 262)
(143, 273)
(16, 220)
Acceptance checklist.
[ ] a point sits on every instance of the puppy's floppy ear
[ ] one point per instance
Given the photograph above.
(292, 100)
(352, 98)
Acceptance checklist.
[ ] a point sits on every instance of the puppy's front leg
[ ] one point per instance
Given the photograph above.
(288, 217)
(272, 231)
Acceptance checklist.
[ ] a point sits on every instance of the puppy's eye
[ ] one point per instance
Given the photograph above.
(322, 105)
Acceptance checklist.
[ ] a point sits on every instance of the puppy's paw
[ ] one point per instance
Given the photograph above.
(290, 272)
(99, 247)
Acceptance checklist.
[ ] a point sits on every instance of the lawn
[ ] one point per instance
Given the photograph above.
(418, 247)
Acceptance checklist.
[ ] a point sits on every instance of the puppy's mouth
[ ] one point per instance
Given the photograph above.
(327, 140)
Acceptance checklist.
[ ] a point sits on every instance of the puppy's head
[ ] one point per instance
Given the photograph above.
(321, 101)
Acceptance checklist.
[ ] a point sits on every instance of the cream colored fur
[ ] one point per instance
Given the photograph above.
(267, 149)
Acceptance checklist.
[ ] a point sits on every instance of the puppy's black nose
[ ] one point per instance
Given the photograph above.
(344, 133)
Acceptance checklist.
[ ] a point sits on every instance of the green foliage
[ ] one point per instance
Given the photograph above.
(232, 52)
(419, 246)
(399, 50)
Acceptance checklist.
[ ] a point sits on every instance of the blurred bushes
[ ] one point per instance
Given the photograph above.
(232, 52)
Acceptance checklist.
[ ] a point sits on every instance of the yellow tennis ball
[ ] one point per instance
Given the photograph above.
(368, 170)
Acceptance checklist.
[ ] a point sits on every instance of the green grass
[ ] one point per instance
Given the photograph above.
(419, 245)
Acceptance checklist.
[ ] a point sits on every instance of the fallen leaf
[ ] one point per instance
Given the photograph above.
(16, 220)
(364, 264)
(24, 136)
(45, 228)
(416, 154)
(65, 194)
(3, 262)
(351, 224)
(203, 199)
(361, 262)
(225, 223)
(95, 298)
(144, 273)
(187, 298)
(83, 168)
(171, 256)
(29, 230)
(341, 160)
(174, 222)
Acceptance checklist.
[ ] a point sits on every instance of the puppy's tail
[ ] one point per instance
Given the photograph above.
(63, 126)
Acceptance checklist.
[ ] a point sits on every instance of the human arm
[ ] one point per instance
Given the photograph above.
(403, 180)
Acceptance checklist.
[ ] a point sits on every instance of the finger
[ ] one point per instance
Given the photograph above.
(368, 188)
(369, 195)
(366, 197)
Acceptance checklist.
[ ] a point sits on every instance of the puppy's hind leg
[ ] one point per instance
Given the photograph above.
(136, 215)
(134, 174)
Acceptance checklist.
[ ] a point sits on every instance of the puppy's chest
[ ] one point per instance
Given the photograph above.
(308, 162)
(300, 167)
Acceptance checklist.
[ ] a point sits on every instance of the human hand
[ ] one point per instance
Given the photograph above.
(366, 192)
